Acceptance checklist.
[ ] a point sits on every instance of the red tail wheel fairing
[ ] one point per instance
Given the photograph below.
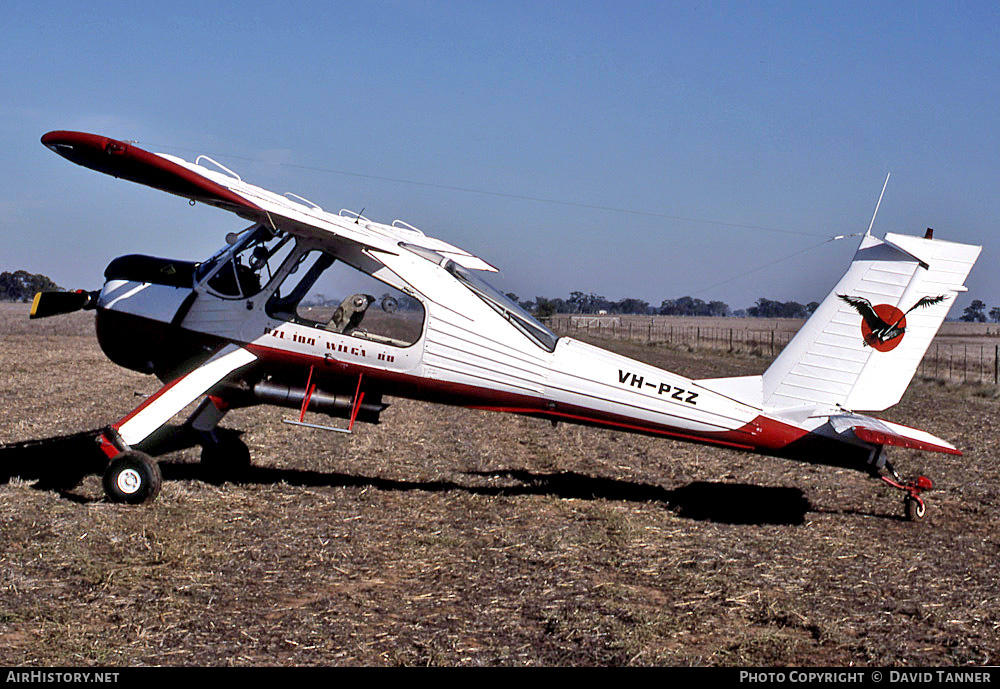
(122, 159)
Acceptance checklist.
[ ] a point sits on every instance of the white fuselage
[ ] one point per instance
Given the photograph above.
(468, 353)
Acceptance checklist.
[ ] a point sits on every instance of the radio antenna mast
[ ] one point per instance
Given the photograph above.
(878, 204)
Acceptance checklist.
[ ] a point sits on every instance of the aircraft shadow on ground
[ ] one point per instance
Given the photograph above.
(60, 463)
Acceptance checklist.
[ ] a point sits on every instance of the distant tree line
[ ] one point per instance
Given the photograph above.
(976, 313)
(22, 285)
(768, 308)
(590, 303)
(584, 303)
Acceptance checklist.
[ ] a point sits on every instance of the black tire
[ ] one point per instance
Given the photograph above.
(915, 509)
(132, 478)
(226, 460)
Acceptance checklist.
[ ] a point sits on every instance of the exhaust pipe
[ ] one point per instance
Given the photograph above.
(340, 406)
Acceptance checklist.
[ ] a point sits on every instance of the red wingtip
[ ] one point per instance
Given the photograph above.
(61, 137)
(127, 161)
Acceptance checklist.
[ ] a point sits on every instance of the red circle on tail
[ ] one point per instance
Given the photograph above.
(890, 315)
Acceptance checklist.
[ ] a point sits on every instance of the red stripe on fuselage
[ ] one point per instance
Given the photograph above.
(762, 434)
(591, 420)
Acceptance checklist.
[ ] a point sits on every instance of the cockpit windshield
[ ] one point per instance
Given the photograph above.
(248, 263)
(507, 307)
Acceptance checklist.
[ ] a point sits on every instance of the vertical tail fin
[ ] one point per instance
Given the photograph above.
(861, 347)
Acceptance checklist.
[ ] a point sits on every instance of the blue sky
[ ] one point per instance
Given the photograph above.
(711, 119)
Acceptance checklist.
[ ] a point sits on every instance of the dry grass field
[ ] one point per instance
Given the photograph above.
(447, 536)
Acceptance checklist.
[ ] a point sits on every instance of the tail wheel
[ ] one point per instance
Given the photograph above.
(132, 478)
(915, 509)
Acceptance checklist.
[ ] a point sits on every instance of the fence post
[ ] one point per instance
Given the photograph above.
(996, 365)
(772, 343)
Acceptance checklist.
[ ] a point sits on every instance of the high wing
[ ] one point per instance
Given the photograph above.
(229, 192)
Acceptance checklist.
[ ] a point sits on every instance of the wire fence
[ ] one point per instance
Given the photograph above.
(949, 362)
(962, 363)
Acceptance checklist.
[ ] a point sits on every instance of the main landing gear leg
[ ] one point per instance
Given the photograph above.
(134, 477)
(912, 502)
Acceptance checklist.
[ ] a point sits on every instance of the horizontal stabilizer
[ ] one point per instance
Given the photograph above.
(879, 432)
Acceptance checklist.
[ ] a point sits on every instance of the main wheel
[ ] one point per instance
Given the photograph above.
(133, 478)
(915, 509)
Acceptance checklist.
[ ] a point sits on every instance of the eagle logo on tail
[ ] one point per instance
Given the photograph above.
(884, 325)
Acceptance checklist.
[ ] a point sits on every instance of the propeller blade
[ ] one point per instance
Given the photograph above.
(54, 303)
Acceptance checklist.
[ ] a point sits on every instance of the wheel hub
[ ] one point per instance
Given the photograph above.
(129, 481)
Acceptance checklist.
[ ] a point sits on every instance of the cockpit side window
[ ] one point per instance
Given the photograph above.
(506, 307)
(330, 294)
